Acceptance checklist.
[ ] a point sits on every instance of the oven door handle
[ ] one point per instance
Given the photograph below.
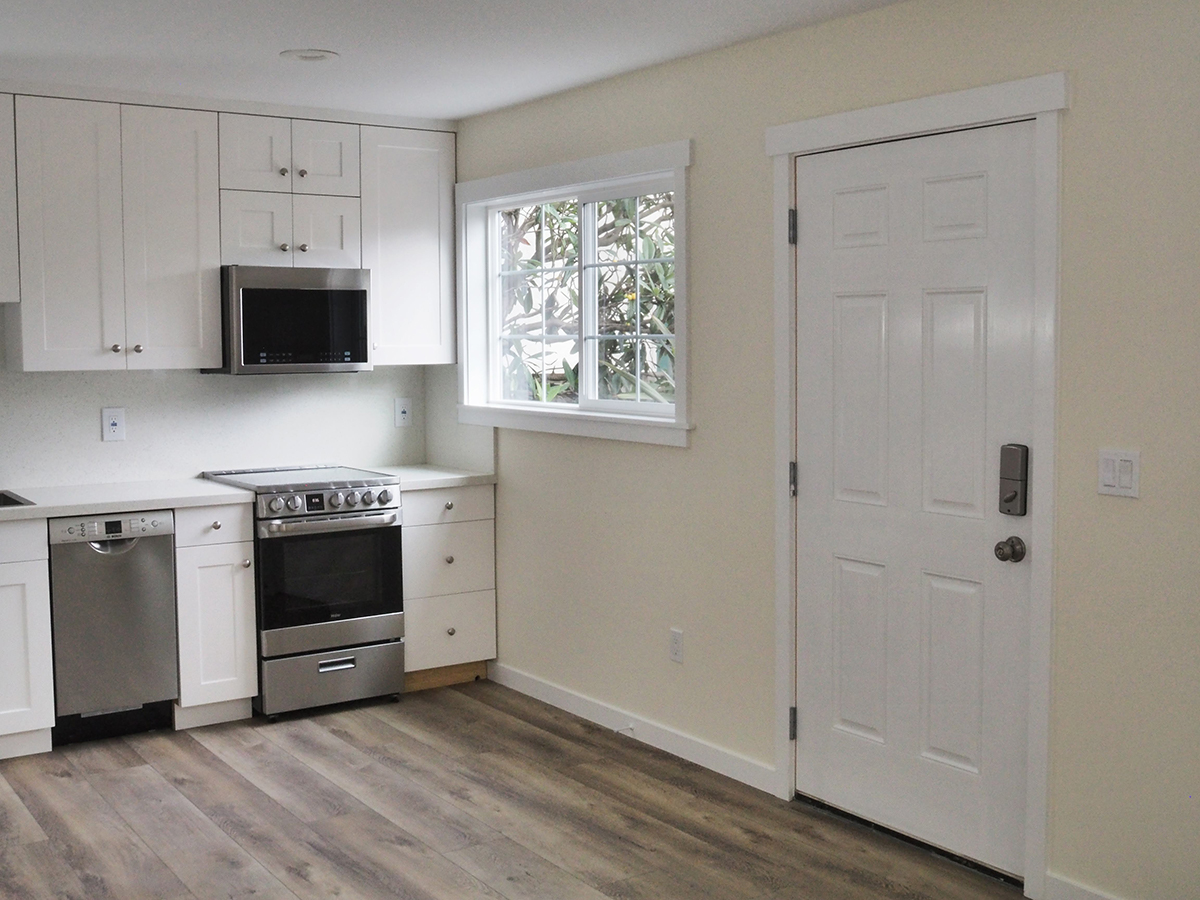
(282, 528)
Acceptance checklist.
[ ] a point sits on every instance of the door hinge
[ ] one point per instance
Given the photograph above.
(793, 478)
(793, 227)
(792, 723)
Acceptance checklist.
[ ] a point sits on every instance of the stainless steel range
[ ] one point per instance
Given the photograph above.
(328, 584)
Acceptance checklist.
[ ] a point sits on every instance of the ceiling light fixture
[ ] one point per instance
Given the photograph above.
(310, 55)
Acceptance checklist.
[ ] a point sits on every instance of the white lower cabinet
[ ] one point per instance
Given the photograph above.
(214, 583)
(26, 654)
(449, 577)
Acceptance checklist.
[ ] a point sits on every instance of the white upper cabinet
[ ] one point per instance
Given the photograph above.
(326, 231)
(9, 279)
(260, 153)
(408, 243)
(72, 310)
(260, 228)
(172, 238)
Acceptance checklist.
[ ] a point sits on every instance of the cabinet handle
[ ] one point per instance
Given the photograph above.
(283, 171)
(449, 504)
(302, 173)
(138, 348)
(284, 247)
(116, 348)
(217, 525)
(303, 248)
(450, 631)
(449, 560)
(245, 563)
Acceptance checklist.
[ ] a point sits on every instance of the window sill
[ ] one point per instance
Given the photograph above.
(609, 426)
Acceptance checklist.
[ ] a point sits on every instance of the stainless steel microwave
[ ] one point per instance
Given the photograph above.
(279, 319)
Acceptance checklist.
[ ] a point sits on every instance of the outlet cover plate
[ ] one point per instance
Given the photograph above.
(112, 423)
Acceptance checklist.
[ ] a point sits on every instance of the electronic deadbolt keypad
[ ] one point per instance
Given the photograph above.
(1014, 479)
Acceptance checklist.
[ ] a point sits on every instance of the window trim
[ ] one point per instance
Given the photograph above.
(589, 179)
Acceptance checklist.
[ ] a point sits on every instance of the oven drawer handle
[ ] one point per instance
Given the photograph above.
(279, 528)
(336, 665)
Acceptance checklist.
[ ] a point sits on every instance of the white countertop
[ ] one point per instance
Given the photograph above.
(128, 496)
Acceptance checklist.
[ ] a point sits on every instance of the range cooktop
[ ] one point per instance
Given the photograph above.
(301, 478)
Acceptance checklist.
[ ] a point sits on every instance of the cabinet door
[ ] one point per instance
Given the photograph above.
(326, 232)
(256, 153)
(449, 559)
(256, 228)
(172, 238)
(324, 158)
(9, 290)
(446, 631)
(408, 243)
(217, 656)
(72, 307)
(26, 657)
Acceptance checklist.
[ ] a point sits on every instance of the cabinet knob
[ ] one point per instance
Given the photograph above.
(245, 563)
(283, 171)
(450, 631)
(449, 560)
(303, 248)
(116, 348)
(217, 525)
(303, 173)
(138, 348)
(449, 504)
(285, 247)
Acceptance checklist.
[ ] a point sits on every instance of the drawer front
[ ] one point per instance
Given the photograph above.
(335, 676)
(23, 541)
(441, 505)
(228, 523)
(446, 631)
(448, 559)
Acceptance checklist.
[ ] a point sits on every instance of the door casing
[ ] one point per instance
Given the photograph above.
(1041, 99)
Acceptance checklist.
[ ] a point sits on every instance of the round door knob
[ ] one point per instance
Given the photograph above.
(284, 247)
(385, 496)
(294, 503)
(138, 348)
(1011, 550)
(303, 248)
(216, 526)
(303, 173)
(368, 498)
(450, 631)
(352, 498)
(245, 563)
(275, 504)
(337, 499)
(116, 348)
(449, 560)
(449, 504)
(283, 171)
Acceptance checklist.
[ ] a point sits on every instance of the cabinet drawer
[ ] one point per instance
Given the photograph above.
(459, 504)
(449, 559)
(228, 523)
(24, 540)
(445, 631)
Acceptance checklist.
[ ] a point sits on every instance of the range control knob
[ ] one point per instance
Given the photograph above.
(275, 504)
(352, 498)
(336, 499)
(385, 496)
(294, 503)
(368, 498)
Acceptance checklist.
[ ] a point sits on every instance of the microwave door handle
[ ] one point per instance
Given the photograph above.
(281, 528)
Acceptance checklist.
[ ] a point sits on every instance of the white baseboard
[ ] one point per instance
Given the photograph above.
(1059, 887)
(25, 743)
(693, 749)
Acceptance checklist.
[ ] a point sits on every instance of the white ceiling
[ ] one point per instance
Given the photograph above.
(441, 59)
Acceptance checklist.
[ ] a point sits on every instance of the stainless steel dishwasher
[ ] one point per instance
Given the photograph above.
(112, 601)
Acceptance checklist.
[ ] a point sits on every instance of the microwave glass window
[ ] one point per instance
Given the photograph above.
(303, 326)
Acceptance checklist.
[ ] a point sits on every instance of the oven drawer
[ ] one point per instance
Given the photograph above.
(446, 631)
(335, 676)
(449, 559)
(228, 523)
(458, 504)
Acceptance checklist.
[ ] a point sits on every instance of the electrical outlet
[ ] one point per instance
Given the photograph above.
(112, 423)
(676, 647)
(403, 412)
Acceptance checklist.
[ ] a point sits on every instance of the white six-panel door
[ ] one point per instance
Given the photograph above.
(914, 319)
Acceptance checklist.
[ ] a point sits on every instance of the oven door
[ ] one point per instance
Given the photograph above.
(325, 582)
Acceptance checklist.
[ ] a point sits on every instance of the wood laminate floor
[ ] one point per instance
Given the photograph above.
(467, 792)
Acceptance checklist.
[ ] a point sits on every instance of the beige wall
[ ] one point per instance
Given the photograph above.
(603, 546)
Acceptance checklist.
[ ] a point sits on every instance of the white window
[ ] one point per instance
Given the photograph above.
(572, 304)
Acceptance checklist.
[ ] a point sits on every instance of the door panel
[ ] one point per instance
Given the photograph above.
(914, 362)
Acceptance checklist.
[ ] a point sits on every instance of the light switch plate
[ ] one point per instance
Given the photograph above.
(1120, 472)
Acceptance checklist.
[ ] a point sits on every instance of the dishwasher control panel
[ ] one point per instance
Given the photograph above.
(112, 527)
